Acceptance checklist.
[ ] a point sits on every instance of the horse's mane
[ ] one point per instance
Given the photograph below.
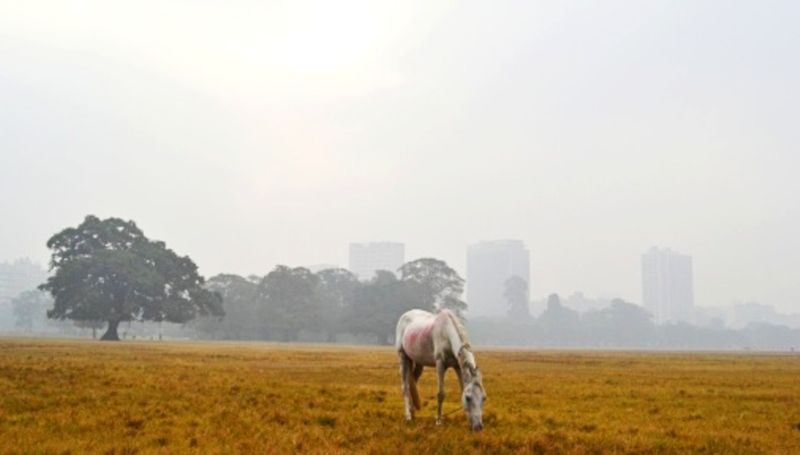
(462, 332)
(465, 346)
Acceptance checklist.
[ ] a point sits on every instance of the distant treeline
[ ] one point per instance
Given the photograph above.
(293, 303)
(624, 325)
(107, 274)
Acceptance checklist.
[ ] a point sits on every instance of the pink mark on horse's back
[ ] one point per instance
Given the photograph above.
(411, 336)
(414, 337)
(409, 339)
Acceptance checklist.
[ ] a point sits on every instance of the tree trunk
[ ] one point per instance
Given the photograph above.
(111, 334)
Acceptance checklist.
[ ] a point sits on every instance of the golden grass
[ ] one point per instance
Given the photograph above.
(92, 397)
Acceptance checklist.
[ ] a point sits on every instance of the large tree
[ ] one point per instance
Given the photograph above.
(337, 290)
(109, 270)
(443, 284)
(289, 301)
(241, 319)
(620, 324)
(559, 323)
(379, 302)
(515, 292)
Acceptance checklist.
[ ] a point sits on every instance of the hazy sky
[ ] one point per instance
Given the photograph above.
(248, 134)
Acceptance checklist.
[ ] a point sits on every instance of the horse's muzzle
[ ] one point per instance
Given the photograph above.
(477, 428)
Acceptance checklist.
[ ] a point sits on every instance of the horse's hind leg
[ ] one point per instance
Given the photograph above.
(418, 371)
(405, 377)
(413, 386)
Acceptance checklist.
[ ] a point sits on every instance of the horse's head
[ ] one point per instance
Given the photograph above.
(473, 397)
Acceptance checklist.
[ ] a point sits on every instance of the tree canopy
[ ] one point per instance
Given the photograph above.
(515, 292)
(289, 302)
(443, 284)
(109, 270)
(379, 302)
(337, 292)
(241, 310)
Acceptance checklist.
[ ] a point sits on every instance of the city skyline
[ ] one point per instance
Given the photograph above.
(21, 275)
(534, 293)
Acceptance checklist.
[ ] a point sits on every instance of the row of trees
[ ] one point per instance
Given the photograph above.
(622, 325)
(109, 271)
(290, 301)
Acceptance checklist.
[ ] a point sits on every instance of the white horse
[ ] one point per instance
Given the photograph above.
(426, 339)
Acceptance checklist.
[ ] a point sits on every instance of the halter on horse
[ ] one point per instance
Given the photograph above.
(426, 339)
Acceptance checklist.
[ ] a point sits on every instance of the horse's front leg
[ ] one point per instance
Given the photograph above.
(405, 376)
(440, 370)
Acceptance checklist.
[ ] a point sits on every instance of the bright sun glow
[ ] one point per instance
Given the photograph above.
(324, 39)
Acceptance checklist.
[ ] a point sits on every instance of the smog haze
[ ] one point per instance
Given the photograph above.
(252, 134)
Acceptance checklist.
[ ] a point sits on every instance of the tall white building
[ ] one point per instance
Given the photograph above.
(667, 285)
(489, 265)
(367, 258)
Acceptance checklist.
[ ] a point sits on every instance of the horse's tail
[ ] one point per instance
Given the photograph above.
(412, 386)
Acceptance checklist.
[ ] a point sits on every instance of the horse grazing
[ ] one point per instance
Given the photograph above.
(426, 339)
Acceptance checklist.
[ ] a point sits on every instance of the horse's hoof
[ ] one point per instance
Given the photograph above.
(438, 421)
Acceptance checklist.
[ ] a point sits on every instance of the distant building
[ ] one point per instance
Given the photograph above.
(744, 314)
(15, 278)
(489, 265)
(367, 258)
(668, 285)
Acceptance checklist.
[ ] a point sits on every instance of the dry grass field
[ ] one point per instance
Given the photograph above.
(91, 397)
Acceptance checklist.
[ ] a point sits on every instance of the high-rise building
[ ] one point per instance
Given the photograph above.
(667, 285)
(367, 258)
(489, 265)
